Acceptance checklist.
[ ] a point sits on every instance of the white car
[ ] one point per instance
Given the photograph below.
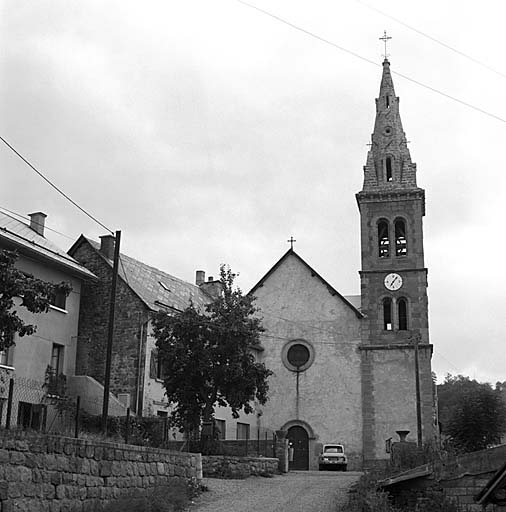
(332, 457)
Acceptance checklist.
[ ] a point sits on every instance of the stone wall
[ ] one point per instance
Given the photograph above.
(222, 466)
(51, 473)
(460, 478)
(465, 476)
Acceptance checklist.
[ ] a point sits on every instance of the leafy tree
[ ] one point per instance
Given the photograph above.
(35, 295)
(472, 414)
(207, 357)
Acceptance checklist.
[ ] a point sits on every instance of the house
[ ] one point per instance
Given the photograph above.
(345, 368)
(54, 343)
(136, 375)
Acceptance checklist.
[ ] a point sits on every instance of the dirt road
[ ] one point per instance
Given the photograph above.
(304, 491)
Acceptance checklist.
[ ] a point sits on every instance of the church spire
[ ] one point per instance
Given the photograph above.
(389, 163)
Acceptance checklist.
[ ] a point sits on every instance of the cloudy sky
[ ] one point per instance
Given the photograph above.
(208, 133)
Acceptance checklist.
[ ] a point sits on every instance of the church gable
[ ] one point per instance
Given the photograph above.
(293, 277)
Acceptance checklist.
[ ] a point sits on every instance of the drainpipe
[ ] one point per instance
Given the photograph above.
(140, 373)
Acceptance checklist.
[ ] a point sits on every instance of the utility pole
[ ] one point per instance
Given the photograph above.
(110, 334)
(416, 339)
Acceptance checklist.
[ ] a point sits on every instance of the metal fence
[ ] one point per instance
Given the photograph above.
(43, 406)
(35, 405)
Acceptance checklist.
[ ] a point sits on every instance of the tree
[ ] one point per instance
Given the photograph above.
(473, 414)
(35, 296)
(208, 358)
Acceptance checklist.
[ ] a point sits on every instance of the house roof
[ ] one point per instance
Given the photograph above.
(352, 301)
(20, 236)
(155, 288)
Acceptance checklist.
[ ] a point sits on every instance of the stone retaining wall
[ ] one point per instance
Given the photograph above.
(43, 473)
(222, 466)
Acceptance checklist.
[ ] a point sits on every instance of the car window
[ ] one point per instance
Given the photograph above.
(334, 449)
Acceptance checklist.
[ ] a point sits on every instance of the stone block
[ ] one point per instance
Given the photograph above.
(4, 491)
(105, 468)
(4, 456)
(17, 458)
(15, 490)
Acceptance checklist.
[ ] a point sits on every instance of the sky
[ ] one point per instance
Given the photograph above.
(210, 133)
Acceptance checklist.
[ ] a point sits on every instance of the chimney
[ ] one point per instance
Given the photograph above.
(200, 277)
(107, 246)
(211, 287)
(37, 221)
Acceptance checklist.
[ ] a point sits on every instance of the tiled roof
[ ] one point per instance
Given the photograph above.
(154, 287)
(21, 236)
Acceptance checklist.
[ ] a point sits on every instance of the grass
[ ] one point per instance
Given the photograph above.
(174, 498)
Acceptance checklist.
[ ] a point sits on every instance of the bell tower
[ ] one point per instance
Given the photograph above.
(392, 206)
(397, 389)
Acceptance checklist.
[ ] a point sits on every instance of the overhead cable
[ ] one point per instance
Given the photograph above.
(47, 180)
(361, 57)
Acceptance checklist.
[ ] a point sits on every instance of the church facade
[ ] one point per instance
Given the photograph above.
(345, 367)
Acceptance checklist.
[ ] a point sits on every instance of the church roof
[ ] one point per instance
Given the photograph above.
(21, 237)
(154, 287)
(331, 289)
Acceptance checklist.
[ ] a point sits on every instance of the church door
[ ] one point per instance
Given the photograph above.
(299, 441)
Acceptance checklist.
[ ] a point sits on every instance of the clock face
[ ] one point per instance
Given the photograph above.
(393, 282)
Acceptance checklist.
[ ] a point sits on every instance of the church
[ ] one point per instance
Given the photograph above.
(356, 370)
(351, 370)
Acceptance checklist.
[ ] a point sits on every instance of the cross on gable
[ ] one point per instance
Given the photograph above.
(291, 241)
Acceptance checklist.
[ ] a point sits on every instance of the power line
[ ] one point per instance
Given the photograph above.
(24, 217)
(476, 61)
(361, 57)
(54, 186)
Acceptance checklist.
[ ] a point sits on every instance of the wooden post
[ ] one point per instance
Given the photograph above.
(78, 410)
(110, 334)
(9, 404)
(127, 425)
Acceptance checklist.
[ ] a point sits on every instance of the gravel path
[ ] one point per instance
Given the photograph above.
(304, 491)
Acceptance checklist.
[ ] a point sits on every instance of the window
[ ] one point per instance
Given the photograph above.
(402, 310)
(31, 415)
(220, 429)
(388, 168)
(156, 367)
(383, 239)
(242, 431)
(401, 246)
(387, 101)
(59, 300)
(387, 314)
(57, 358)
(298, 355)
(5, 358)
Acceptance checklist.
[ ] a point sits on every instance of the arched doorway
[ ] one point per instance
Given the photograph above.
(299, 441)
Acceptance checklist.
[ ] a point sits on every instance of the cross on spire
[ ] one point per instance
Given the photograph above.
(291, 241)
(385, 39)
